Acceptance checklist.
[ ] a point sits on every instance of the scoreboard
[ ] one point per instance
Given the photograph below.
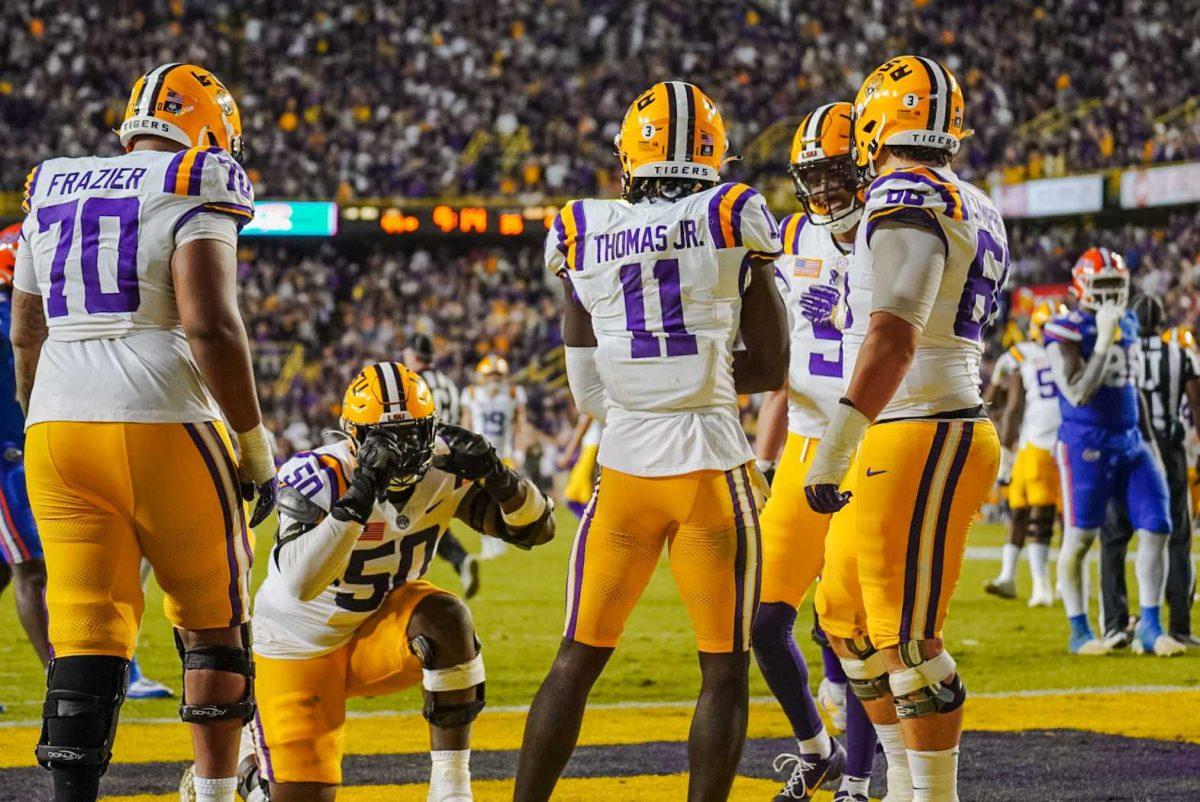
(452, 220)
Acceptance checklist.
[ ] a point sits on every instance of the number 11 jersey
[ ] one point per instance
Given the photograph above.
(663, 283)
(97, 244)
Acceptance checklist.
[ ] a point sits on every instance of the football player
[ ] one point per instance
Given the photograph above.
(131, 359)
(1105, 447)
(583, 448)
(930, 260)
(1029, 427)
(658, 287)
(495, 408)
(344, 611)
(812, 275)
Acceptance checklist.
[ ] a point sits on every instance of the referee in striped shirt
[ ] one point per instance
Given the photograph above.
(419, 356)
(1169, 373)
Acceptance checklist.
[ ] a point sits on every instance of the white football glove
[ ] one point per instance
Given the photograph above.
(1108, 318)
(256, 471)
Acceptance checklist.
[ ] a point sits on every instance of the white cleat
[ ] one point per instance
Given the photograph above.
(831, 700)
(1004, 588)
(1091, 648)
(1164, 646)
(1042, 599)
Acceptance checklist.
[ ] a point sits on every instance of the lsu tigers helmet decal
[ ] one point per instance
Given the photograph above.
(186, 104)
(823, 171)
(908, 100)
(1098, 277)
(672, 130)
(391, 397)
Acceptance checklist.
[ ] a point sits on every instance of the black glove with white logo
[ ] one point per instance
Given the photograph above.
(473, 458)
(376, 456)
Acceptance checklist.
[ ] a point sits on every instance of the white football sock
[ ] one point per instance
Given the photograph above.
(899, 778)
(449, 775)
(1008, 562)
(935, 775)
(1070, 568)
(1039, 566)
(819, 745)
(216, 789)
(1151, 567)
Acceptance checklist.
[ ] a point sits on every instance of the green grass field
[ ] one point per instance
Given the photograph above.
(1000, 646)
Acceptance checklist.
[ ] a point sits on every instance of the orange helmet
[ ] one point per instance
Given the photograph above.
(909, 100)
(1098, 277)
(9, 238)
(672, 130)
(393, 398)
(823, 170)
(186, 104)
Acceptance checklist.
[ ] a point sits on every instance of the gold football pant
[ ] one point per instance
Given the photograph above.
(793, 535)
(709, 521)
(1034, 479)
(107, 494)
(300, 728)
(895, 552)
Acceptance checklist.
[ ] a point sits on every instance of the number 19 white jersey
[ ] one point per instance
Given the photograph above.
(663, 283)
(97, 244)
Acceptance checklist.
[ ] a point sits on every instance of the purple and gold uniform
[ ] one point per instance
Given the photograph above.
(662, 281)
(126, 454)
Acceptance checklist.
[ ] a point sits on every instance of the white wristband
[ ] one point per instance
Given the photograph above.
(530, 510)
(838, 446)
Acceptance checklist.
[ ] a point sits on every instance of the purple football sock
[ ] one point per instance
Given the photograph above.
(783, 667)
(860, 739)
(833, 666)
(577, 508)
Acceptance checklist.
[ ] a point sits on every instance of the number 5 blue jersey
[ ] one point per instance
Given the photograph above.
(663, 283)
(98, 240)
(944, 375)
(1114, 407)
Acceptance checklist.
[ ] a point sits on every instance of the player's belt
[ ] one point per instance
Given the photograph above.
(969, 413)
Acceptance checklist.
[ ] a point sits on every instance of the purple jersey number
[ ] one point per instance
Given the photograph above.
(670, 298)
(818, 365)
(980, 285)
(127, 296)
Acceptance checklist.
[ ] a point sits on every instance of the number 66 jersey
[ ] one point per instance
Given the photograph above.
(662, 281)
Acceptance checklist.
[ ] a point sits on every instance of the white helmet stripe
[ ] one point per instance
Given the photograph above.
(150, 89)
(681, 122)
(816, 124)
(939, 97)
(392, 392)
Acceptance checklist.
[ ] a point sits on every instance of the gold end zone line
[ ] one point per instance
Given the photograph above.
(1111, 711)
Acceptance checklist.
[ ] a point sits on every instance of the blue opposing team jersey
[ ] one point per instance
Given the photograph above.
(12, 420)
(1110, 419)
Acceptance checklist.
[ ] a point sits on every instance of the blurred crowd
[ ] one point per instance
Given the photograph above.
(440, 97)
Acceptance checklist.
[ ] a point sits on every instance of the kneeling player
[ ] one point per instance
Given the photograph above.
(344, 612)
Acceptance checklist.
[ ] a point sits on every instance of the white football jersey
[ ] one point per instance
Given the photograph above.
(1005, 365)
(817, 375)
(663, 283)
(1039, 423)
(395, 547)
(944, 375)
(493, 411)
(97, 246)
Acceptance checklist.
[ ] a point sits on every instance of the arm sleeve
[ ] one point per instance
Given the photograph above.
(738, 217)
(312, 548)
(586, 385)
(909, 263)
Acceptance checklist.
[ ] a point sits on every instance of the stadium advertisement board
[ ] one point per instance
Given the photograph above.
(1160, 186)
(1050, 197)
(274, 218)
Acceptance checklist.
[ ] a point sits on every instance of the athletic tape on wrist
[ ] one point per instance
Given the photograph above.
(531, 508)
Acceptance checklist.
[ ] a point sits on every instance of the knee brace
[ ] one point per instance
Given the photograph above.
(454, 678)
(230, 659)
(818, 635)
(926, 686)
(79, 717)
(865, 672)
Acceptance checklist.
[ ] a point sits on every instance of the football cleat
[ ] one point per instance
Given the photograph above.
(1149, 639)
(1118, 639)
(142, 687)
(468, 574)
(187, 791)
(1005, 589)
(809, 773)
(831, 700)
(1042, 598)
(1189, 640)
(1086, 646)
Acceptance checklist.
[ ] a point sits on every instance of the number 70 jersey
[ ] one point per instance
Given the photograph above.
(663, 283)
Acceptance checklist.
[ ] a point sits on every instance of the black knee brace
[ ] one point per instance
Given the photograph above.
(943, 697)
(231, 659)
(1041, 530)
(928, 685)
(454, 678)
(79, 717)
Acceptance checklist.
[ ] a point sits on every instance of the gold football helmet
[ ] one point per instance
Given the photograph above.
(827, 184)
(186, 104)
(672, 130)
(393, 398)
(908, 100)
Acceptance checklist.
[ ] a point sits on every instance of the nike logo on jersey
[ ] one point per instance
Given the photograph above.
(875, 473)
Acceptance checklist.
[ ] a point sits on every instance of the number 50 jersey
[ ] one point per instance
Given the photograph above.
(663, 283)
(99, 236)
(944, 375)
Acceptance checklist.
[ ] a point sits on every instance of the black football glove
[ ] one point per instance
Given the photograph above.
(376, 456)
(473, 458)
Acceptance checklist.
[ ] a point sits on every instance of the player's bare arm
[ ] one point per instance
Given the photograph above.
(772, 426)
(1079, 379)
(205, 279)
(1014, 411)
(762, 364)
(28, 333)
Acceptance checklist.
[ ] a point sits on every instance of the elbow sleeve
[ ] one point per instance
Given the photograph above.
(586, 384)
(909, 263)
